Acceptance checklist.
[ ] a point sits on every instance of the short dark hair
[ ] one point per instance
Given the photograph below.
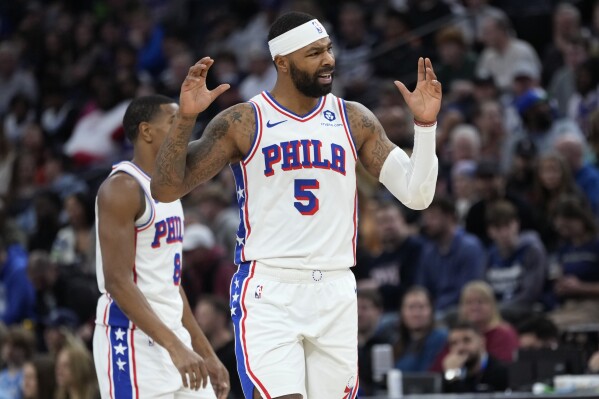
(142, 109)
(500, 213)
(540, 326)
(288, 21)
(373, 296)
(444, 204)
(461, 325)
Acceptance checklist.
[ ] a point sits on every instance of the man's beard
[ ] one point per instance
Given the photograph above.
(308, 85)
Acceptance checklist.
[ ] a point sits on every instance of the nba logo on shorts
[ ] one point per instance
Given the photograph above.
(317, 26)
(258, 293)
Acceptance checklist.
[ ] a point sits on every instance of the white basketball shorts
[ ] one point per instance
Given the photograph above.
(296, 331)
(130, 365)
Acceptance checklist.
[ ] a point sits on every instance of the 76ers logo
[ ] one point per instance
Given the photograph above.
(258, 293)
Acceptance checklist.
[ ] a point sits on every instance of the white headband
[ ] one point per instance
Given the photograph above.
(297, 38)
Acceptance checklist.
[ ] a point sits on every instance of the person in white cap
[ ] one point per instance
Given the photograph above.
(293, 151)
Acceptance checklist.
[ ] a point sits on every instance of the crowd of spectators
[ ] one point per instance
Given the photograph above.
(511, 234)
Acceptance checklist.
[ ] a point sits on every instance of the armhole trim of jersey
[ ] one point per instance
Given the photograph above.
(347, 127)
(140, 225)
(257, 133)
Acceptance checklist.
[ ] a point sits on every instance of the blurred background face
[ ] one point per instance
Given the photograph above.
(29, 384)
(476, 308)
(568, 227)
(434, 222)
(368, 314)
(416, 311)
(64, 377)
(492, 34)
(505, 235)
(390, 224)
(466, 342)
(530, 341)
(206, 317)
(550, 174)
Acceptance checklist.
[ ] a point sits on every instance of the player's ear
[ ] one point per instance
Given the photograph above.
(282, 63)
(145, 133)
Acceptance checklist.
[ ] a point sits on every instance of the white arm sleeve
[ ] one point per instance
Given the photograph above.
(412, 180)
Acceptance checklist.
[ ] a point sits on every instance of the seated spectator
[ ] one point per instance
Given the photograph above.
(578, 287)
(451, 258)
(75, 373)
(213, 317)
(478, 307)
(538, 333)
(370, 332)
(468, 367)
(16, 350)
(393, 270)
(517, 262)
(419, 341)
(39, 381)
(593, 364)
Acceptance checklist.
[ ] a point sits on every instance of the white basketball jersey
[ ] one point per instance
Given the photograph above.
(157, 267)
(296, 188)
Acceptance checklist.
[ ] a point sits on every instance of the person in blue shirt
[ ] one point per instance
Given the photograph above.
(17, 349)
(451, 258)
(17, 296)
(419, 341)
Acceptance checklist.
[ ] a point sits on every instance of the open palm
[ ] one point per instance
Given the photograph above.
(425, 100)
(195, 96)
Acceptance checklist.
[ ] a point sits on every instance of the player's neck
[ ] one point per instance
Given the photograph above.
(292, 99)
(143, 162)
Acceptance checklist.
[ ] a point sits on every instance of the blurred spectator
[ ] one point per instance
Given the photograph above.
(593, 364)
(74, 243)
(61, 288)
(352, 52)
(46, 208)
(578, 256)
(572, 147)
(13, 78)
(174, 75)
(490, 187)
(478, 306)
(213, 317)
(539, 121)
(472, 17)
(58, 114)
(420, 342)
(395, 121)
(58, 175)
(495, 138)
(521, 175)
(17, 349)
(503, 51)
(97, 135)
(451, 258)
(464, 143)
(371, 331)
(456, 61)
(261, 73)
(586, 98)
(566, 25)
(468, 367)
(537, 333)
(59, 328)
(394, 269)
(462, 187)
(75, 374)
(8, 156)
(517, 262)
(39, 381)
(205, 268)
(147, 37)
(563, 82)
(553, 181)
(20, 114)
(17, 296)
(427, 13)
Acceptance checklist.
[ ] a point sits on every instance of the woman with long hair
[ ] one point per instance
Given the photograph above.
(39, 381)
(419, 341)
(479, 307)
(75, 373)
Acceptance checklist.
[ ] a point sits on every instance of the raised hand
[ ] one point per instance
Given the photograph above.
(425, 100)
(195, 96)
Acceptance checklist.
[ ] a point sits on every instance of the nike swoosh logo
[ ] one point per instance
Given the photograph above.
(269, 125)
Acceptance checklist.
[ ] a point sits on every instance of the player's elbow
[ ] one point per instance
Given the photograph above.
(422, 197)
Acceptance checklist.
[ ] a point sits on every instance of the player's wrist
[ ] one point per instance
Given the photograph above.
(423, 123)
(187, 116)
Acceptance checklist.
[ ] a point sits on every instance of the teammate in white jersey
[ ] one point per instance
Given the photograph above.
(293, 152)
(147, 343)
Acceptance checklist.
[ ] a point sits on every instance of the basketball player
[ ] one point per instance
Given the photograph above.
(147, 343)
(293, 152)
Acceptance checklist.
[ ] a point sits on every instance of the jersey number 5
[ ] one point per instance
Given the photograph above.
(303, 194)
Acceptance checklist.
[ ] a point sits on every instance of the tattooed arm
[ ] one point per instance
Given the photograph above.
(180, 167)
